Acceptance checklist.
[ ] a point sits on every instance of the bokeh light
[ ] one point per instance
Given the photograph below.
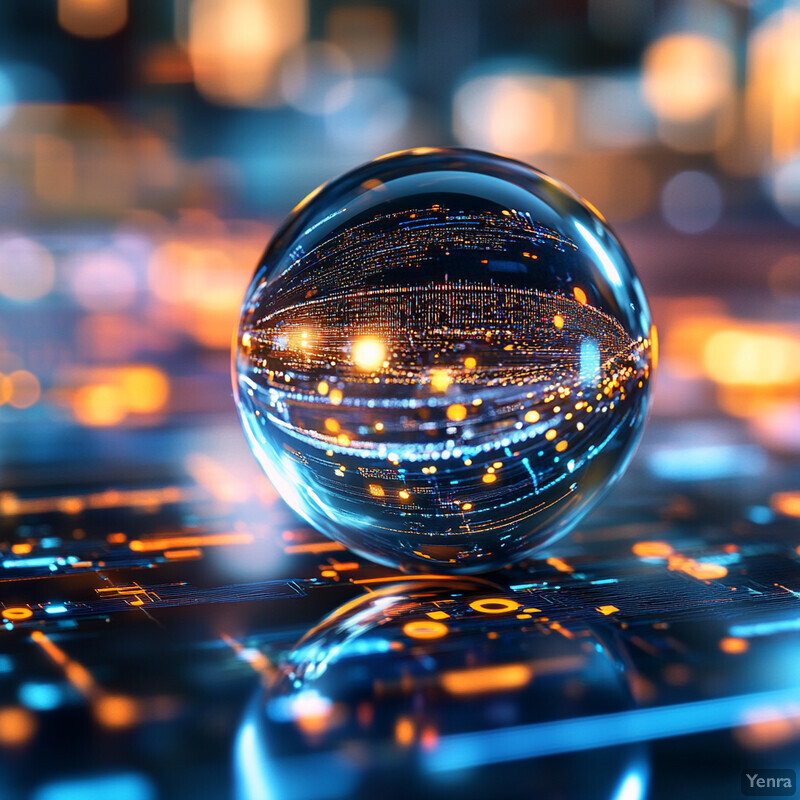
(235, 46)
(27, 269)
(691, 202)
(687, 76)
(92, 18)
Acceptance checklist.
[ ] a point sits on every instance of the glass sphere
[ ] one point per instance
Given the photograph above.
(380, 700)
(444, 358)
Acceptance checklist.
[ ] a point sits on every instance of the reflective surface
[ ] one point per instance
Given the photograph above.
(443, 360)
(434, 689)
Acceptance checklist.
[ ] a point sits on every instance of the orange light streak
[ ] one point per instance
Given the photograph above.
(204, 540)
(486, 679)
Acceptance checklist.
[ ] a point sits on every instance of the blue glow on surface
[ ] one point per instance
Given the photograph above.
(468, 750)
(633, 786)
(58, 609)
(22, 563)
(707, 462)
(764, 628)
(124, 786)
(761, 515)
(250, 769)
(606, 264)
(40, 696)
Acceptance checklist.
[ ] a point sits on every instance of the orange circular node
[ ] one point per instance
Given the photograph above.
(425, 629)
(494, 605)
(17, 613)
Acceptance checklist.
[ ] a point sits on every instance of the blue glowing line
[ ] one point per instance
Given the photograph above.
(59, 609)
(251, 770)
(606, 263)
(464, 750)
(604, 581)
(22, 563)
(764, 628)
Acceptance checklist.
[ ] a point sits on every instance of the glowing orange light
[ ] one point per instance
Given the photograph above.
(376, 490)
(17, 613)
(99, 405)
(368, 353)
(116, 711)
(786, 503)
(17, 726)
(145, 389)
(183, 555)
(560, 565)
(653, 336)
(606, 610)
(457, 412)
(489, 477)
(687, 76)
(652, 549)
(470, 363)
(235, 46)
(314, 547)
(749, 356)
(440, 380)
(486, 679)
(404, 731)
(580, 295)
(734, 645)
(558, 321)
(92, 19)
(532, 416)
(177, 542)
(494, 605)
(425, 629)
(702, 571)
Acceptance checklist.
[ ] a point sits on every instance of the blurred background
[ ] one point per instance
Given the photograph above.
(148, 148)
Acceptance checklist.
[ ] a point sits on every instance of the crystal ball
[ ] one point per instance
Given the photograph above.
(444, 360)
(379, 664)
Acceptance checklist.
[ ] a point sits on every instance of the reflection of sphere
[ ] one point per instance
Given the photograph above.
(443, 359)
(382, 700)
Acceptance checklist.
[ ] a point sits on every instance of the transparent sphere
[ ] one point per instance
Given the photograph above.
(444, 358)
(380, 701)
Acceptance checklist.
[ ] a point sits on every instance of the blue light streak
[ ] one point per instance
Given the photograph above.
(764, 628)
(467, 750)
